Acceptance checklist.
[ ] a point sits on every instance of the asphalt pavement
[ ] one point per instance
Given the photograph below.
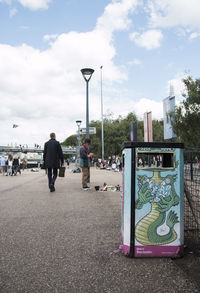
(64, 241)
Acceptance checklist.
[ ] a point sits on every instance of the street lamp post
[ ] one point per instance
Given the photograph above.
(87, 74)
(78, 122)
(102, 130)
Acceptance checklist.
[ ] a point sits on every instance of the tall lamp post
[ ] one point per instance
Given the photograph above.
(87, 74)
(102, 130)
(78, 122)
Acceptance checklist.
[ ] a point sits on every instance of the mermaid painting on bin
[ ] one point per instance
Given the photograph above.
(160, 193)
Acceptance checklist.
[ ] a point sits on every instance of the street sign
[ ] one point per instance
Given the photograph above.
(92, 130)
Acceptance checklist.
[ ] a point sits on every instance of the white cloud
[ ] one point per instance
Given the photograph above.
(194, 35)
(13, 11)
(178, 85)
(31, 4)
(135, 61)
(139, 107)
(44, 91)
(115, 16)
(148, 105)
(35, 4)
(150, 39)
(168, 13)
(50, 37)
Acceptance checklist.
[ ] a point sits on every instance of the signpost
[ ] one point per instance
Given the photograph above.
(92, 130)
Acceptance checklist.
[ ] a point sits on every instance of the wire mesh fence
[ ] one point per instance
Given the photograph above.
(192, 198)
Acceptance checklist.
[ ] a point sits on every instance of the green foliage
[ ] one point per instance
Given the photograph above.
(70, 141)
(158, 130)
(186, 119)
(116, 132)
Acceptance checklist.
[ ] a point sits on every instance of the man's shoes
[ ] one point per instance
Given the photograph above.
(52, 188)
(86, 188)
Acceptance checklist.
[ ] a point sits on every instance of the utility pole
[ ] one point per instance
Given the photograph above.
(102, 129)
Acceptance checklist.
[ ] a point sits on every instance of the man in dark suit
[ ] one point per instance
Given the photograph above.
(53, 158)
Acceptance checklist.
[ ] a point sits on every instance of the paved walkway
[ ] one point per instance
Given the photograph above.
(64, 241)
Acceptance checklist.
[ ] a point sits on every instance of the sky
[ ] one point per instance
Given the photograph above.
(144, 47)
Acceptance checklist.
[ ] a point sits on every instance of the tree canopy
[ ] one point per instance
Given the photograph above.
(70, 141)
(185, 123)
(186, 118)
(116, 132)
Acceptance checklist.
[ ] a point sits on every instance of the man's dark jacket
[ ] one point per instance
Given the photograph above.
(53, 154)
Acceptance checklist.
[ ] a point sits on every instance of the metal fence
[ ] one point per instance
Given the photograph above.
(192, 199)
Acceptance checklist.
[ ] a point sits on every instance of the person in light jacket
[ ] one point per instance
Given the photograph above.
(9, 165)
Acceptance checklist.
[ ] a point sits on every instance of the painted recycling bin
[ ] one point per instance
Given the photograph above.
(153, 199)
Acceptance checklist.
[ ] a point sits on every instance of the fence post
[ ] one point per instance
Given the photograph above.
(191, 170)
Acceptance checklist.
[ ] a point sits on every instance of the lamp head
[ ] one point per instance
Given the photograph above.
(87, 73)
(78, 122)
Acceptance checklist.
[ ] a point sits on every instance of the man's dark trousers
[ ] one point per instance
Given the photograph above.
(52, 177)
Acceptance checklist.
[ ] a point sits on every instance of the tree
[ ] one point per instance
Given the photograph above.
(70, 141)
(186, 118)
(158, 130)
(116, 132)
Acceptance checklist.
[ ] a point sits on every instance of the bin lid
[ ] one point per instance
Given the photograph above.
(131, 144)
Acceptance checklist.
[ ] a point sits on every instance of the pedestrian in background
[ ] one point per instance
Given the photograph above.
(16, 165)
(3, 165)
(9, 165)
(53, 159)
(85, 162)
(24, 164)
(67, 161)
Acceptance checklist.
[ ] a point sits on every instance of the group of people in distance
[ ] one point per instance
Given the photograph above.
(10, 165)
(54, 159)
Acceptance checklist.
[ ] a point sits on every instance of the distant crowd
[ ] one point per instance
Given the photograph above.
(113, 163)
(11, 165)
